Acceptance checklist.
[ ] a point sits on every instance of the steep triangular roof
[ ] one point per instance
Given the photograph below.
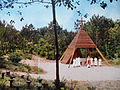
(81, 40)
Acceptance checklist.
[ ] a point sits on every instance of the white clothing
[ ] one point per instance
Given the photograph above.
(77, 61)
(99, 62)
(74, 63)
(95, 61)
(91, 60)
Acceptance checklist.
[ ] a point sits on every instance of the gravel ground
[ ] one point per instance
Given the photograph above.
(96, 78)
(78, 73)
(81, 73)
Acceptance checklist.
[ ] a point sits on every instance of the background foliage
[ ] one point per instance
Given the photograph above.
(106, 35)
(104, 32)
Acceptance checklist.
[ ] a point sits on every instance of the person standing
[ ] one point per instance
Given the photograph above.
(88, 62)
(99, 62)
(79, 62)
(74, 63)
(95, 61)
(91, 60)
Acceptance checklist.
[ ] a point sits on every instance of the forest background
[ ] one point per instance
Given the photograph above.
(23, 43)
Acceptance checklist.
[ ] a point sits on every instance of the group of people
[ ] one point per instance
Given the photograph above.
(89, 62)
(93, 62)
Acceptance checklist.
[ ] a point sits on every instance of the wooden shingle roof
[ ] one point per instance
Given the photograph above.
(81, 40)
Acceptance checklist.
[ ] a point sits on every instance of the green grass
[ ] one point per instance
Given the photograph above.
(64, 84)
(7, 64)
(115, 61)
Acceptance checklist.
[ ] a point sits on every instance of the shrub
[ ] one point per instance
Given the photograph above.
(2, 63)
(15, 57)
(27, 56)
(2, 58)
(117, 61)
(1, 53)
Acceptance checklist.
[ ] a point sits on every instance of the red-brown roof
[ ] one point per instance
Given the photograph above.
(81, 40)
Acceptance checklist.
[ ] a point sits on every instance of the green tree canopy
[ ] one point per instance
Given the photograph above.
(103, 32)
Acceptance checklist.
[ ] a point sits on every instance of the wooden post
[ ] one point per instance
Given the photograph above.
(22, 76)
(39, 88)
(12, 76)
(3, 74)
(45, 86)
(63, 55)
(11, 82)
(28, 83)
(71, 57)
(102, 56)
(8, 73)
(40, 80)
(17, 88)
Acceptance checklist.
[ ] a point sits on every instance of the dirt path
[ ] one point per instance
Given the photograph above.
(80, 73)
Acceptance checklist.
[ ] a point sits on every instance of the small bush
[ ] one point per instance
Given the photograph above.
(15, 57)
(117, 61)
(27, 56)
(1, 53)
(2, 58)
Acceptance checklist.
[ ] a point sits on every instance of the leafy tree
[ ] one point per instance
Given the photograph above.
(114, 40)
(28, 32)
(105, 33)
(15, 57)
(66, 3)
(47, 44)
(7, 37)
